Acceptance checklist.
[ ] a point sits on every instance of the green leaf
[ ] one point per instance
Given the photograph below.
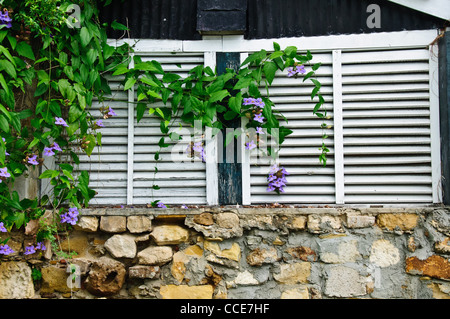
(276, 54)
(129, 84)
(276, 46)
(85, 36)
(243, 83)
(269, 70)
(91, 145)
(118, 26)
(121, 69)
(8, 67)
(5, 111)
(149, 81)
(4, 125)
(235, 103)
(147, 66)
(218, 96)
(291, 51)
(170, 77)
(25, 50)
(140, 109)
(49, 174)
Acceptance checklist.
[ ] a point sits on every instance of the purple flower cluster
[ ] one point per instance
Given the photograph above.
(60, 121)
(5, 19)
(71, 217)
(252, 101)
(5, 250)
(277, 179)
(298, 69)
(2, 228)
(32, 160)
(4, 174)
(49, 151)
(196, 149)
(32, 249)
(161, 205)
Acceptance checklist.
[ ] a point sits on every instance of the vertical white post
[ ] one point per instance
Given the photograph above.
(338, 127)
(434, 124)
(246, 194)
(211, 148)
(130, 152)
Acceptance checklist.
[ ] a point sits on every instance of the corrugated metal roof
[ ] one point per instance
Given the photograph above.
(293, 18)
(177, 19)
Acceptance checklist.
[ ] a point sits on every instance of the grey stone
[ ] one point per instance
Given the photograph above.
(121, 246)
(113, 224)
(344, 281)
(139, 224)
(155, 255)
(16, 281)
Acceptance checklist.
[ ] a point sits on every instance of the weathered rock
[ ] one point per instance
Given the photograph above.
(260, 256)
(402, 221)
(297, 223)
(263, 222)
(344, 281)
(359, 221)
(227, 220)
(87, 224)
(113, 224)
(144, 272)
(324, 223)
(243, 279)
(443, 247)
(76, 243)
(339, 251)
(205, 219)
(296, 293)
(121, 246)
(384, 253)
(434, 266)
(293, 273)
(155, 255)
(106, 277)
(233, 253)
(187, 292)
(139, 224)
(178, 269)
(169, 235)
(15, 280)
(440, 220)
(56, 279)
(302, 253)
(226, 226)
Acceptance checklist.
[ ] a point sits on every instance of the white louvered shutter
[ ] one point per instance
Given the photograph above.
(309, 181)
(386, 125)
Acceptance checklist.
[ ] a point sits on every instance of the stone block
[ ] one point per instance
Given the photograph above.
(205, 219)
(434, 266)
(144, 272)
(359, 221)
(55, 279)
(155, 255)
(16, 281)
(296, 293)
(345, 282)
(324, 224)
(169, 235)
(384, 254)
(87, 224)
(260, 256)
(293, 273)
(233, 253)
(402, 221)
(121, 246)
(113, 224)
(139, 224)
(339, 251)
(106, 277)
(443, 247)
(243, 279)
(186, 292)
(300, 252)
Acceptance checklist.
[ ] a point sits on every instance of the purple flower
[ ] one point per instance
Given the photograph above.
(198, 147)
(161, 205)
(259, 130)
(29, 250)
(40, 246)
(298, 69)
(270, 188)
(56, 147)
(277, 179)
(5, 19)
(60, 121)
(259, 102)
(71, 217)
(48, 151)
(99, 123)
(250, 145)
(184, 206)
(32, 160)
(2, 228)
(5, 250)
(259, 118)
(248, 101)
(4, 172)
(278, 183)
(111, 111)
(6, 153)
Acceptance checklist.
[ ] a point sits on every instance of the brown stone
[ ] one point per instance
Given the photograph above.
(106, 277)
(139, 224)
(302, 253)
(169, 235)
(434, 266)
(259, 256)
(187, 292)
(443, 247)
(403, 221)
(205, 219)
(77, 244)
(113, 224)
(144, 272)
(293, 273)
(54, 279)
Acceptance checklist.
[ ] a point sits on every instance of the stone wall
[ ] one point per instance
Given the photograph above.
(237, 253)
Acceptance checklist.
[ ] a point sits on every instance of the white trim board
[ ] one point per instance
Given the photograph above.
(237, 43)
(436, 8)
